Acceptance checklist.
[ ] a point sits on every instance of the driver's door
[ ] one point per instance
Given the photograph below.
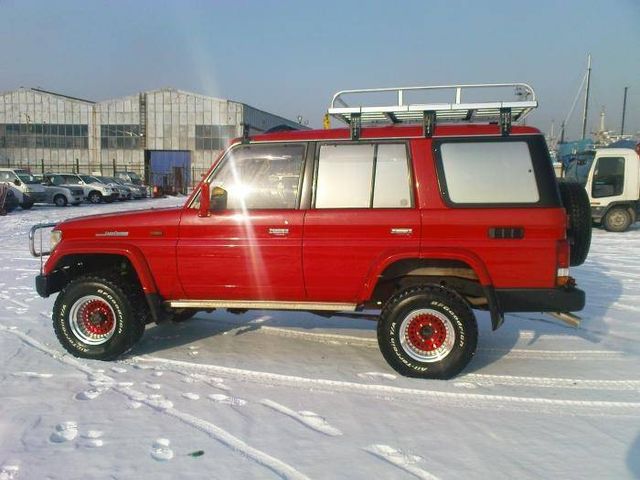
(252, 249)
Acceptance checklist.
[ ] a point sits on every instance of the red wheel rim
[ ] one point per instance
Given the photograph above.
(97, 317)
(427, 335)
(92, 320)
(426, 332)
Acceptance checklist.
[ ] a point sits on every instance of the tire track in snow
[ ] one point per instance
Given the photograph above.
(532, 404)
(308, 419)
(279, 467)
(401, 460)
(550, 382)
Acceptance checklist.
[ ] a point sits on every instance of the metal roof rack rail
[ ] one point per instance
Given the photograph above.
(503, 112)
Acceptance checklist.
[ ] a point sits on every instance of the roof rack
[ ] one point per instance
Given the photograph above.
(504, 112)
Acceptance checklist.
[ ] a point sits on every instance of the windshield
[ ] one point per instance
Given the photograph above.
(71, 180)
(579, 166)
(89, 179)
(135, 178)
(27, 178)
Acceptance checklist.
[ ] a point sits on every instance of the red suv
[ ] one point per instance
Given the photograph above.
(442, 209)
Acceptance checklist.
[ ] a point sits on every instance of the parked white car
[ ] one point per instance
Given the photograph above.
(25, 186)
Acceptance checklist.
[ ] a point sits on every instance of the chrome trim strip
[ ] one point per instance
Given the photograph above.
(262, 305)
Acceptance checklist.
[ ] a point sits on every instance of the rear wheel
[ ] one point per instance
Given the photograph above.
(60, 201)
(427, 332)
(99, 317)
(618, 219)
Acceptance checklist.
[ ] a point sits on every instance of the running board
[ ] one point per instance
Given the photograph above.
(568, 318)
(262, 305)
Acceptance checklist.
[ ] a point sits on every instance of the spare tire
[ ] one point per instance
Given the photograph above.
(576, 202)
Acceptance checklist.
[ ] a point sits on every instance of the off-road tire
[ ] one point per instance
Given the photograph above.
(617, 219)
(125, 298)
(94, 197)
(576, 202)
(60, 200)
(441, 302)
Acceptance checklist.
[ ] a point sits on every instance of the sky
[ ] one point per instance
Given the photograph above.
(289, 57)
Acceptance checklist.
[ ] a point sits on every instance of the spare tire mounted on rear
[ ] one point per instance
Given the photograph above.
(576, 202)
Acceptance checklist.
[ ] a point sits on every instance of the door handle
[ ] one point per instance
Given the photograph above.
(279, 232)
(401, 231)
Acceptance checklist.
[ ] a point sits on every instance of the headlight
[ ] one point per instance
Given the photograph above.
(56, 236)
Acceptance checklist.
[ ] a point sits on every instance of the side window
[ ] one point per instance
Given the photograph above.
(261, 176)
(57, 180)
(392, 181)
(363, 176)
(608, 177)
(488, 172)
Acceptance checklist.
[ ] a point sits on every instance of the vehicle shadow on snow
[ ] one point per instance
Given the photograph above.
(633, 458)
(528, 330)
(204, 325)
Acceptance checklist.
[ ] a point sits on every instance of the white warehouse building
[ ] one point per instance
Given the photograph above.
(167, 136)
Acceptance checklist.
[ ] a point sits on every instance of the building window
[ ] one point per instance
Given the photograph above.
(213, 137)
(44, 135)
(123, 136)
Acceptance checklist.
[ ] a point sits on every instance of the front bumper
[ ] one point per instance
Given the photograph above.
(540, 300)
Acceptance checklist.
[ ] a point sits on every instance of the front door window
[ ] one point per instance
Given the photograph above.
(261, 177)
(608, 177)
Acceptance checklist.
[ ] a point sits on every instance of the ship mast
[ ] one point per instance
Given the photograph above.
(586, 99)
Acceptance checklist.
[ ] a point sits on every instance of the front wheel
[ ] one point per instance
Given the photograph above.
(26, 204)
(618, 219)
(60, 201)
(99, 317)
(427, 332)
(95, 197)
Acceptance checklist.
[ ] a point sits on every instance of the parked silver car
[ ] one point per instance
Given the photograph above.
(63, 196)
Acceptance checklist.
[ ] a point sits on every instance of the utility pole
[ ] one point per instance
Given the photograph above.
(586, 99)
(624, 110)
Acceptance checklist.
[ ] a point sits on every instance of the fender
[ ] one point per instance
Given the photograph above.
(84, 246)
(469, 258)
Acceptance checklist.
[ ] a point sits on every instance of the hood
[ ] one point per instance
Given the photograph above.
(137, 224)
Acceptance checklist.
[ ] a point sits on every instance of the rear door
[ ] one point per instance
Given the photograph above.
(362, 214)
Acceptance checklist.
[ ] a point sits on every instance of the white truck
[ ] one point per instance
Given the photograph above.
(612, 180)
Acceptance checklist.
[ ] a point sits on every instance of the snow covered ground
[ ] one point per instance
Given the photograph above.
(291, 395)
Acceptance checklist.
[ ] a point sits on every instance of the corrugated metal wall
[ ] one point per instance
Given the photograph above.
(118, 132)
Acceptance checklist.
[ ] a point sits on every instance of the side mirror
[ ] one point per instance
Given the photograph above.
(17, 182)
(205, 200)
(218, 199)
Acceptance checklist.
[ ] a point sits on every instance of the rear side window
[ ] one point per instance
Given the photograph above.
(363, 176)
(497, 172)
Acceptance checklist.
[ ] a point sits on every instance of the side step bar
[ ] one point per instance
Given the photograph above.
(262, 305)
